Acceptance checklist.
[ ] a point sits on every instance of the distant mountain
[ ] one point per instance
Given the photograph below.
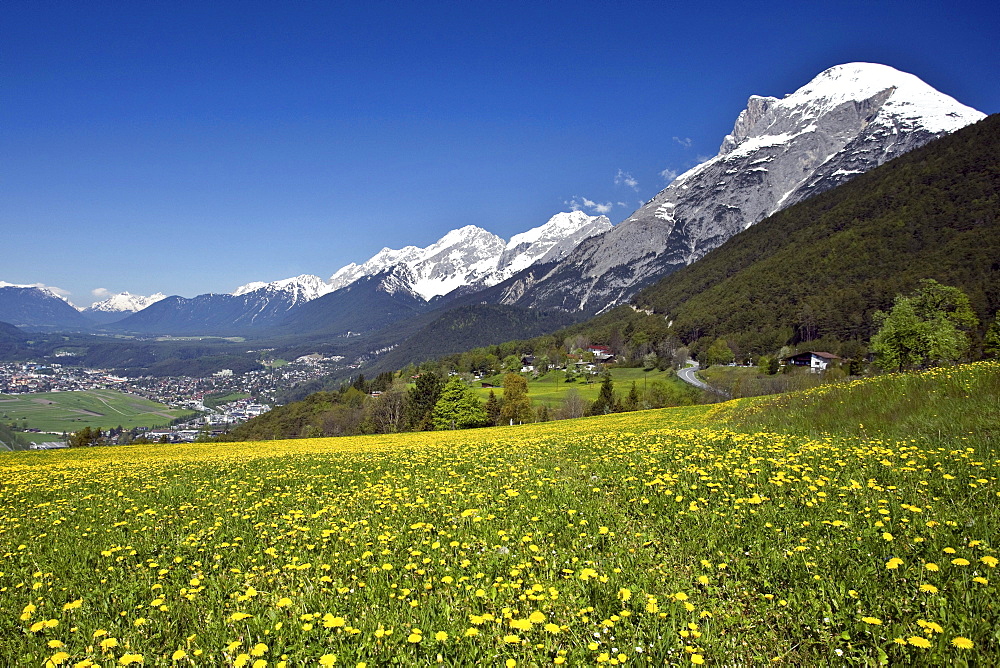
(119, 306)
(470, 326)
(822, 267)
(209, 314)
(393, 284)
(471, 258)
(844, 122)
(291, 291)
(366, 304)
(38, 308)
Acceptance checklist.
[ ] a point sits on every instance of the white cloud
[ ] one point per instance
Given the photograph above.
(101, 293)
(623, 177)
(683, 141)
(668, 175)
(578, 203)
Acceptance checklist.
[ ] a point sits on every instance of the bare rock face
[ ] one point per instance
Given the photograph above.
(849, 119)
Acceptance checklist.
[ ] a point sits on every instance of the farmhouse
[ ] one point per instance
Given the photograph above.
(817, 361)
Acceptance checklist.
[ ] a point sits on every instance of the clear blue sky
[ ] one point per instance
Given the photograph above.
(191, 147)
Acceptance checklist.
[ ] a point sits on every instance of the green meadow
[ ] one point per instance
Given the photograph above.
(72, 411)
(802, 530)
(550, 389)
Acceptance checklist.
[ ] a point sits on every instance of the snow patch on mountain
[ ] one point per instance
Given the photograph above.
(471, 257)
(294, 290)
(124, 302)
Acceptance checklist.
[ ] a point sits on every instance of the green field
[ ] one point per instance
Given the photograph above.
(853, 524)
(551, 388)
(72, 411)
(216, 400)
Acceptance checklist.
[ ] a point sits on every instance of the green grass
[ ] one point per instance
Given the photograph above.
(960, 402)
(736, 534)
(551, 388)
(214, 400)
(72, 411)
(738, 381)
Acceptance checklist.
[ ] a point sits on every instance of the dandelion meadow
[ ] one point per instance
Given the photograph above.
(656, 537)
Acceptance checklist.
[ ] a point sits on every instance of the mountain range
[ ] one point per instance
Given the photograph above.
(781, 151)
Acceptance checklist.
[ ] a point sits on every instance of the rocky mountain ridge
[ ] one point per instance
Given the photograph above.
(847, 120)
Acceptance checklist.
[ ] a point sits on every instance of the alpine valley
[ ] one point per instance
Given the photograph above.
(846, 121)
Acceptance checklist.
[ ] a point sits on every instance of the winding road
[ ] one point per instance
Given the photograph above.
(687, 374)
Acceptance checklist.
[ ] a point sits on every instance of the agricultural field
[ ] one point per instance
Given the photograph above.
(550, 389)
(72, 411)
(690, 535)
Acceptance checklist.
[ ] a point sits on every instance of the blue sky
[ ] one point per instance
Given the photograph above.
(193, 147)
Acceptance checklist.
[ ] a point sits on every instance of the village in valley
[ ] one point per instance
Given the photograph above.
(219, 401)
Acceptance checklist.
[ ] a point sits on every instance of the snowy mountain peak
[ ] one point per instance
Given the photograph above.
(298, 289)
(44, 289)
(470, 257)
(847, 120)
(549, 242)
(889, 98)
(124, 302)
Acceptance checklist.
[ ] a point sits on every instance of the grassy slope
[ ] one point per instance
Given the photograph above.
(71, 411)
(551, 388)
(800, 539)
(949, 403)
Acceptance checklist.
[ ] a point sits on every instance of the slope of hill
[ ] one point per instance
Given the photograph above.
(472, 326)
(823, 266)
(850, 549)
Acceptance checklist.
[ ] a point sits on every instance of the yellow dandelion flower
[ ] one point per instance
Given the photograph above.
(874, 621)
(962, 643)
(919, 641)
(178, 655)
(928, 589)
(440, 636)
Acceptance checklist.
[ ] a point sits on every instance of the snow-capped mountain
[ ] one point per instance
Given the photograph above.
(470, 257)
(124, 302)
(547, 243)
(400, 282)
(294, 291)
(847, 120)
(38, 307)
